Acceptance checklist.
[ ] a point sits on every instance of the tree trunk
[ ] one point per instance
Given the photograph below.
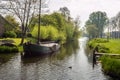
(23, 35)
(22, 39)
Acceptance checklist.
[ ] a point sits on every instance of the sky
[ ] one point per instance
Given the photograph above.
(84, 8)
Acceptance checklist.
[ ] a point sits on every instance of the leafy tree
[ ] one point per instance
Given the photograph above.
(113, 26)
(9, 34)
(54, 19)
(60, 20)
(98, 19)
(118, 24)
(65, 12)
(66, 29)
(92, 30)
(12, 20)
(77, 32)
(47, 33)
(48, 20)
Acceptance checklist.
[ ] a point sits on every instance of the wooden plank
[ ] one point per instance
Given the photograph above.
(110, 54)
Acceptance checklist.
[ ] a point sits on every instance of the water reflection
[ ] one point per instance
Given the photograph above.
(72, 62)
(4, 57)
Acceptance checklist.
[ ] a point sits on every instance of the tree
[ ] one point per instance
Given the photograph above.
(12, 21)
(77, 21)
(98, 19)
(66, 12)
(92, 31)
(118, 24)
(113, 26)
(54, 19)
(24, 10)
(77, 26)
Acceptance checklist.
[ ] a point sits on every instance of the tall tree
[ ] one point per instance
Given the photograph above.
(66, 12)
(77, 27)
(118, 24)
(113, 25)
(98, 19)
(92, 31)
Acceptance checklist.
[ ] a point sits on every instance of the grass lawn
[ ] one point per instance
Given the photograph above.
(110, 64)
(113, 44)
(16, 42)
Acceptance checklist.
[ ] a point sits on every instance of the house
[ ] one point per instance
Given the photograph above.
(5, 25)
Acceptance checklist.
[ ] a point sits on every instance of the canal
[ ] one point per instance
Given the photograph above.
(72, 62)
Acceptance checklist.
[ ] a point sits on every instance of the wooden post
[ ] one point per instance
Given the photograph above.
(94, 57)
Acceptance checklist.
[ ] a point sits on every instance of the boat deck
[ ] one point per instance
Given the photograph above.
(48, 44)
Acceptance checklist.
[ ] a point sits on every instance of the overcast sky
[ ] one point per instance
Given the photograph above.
(83, 8)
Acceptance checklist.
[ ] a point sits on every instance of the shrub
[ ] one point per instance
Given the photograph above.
(111, 66)
(98, 43)
(103, 49)
(98, 40)
(10, 34)
(7, 49)
(29, 35)
(19, 34)
(53, 33)
(46, 33)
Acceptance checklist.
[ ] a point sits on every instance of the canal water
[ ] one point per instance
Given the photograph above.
(72, 62)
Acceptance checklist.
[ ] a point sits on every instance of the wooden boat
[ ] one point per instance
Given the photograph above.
(40, 48)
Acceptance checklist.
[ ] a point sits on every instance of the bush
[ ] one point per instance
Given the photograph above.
(53, 33)
(98, 40)
(102, 49)
(111, 66)
(98, 43)
(46, 33)
(19, 34)
(9, 34)
(29, 35)
(7, 49)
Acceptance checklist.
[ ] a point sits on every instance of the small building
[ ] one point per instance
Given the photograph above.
(5, 25)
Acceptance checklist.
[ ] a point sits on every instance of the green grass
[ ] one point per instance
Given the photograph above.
(111, 66)
(16, 42)
(113, 45)
(6, 49)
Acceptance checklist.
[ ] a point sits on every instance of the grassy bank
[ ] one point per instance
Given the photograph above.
(110, 65)
(111, 46)
(15, 41)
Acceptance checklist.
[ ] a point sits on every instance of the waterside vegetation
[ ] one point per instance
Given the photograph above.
(54, 27)
(110, 65)
(10, 45)
(105, 46)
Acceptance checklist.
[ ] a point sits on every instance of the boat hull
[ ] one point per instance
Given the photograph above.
(35, 49)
